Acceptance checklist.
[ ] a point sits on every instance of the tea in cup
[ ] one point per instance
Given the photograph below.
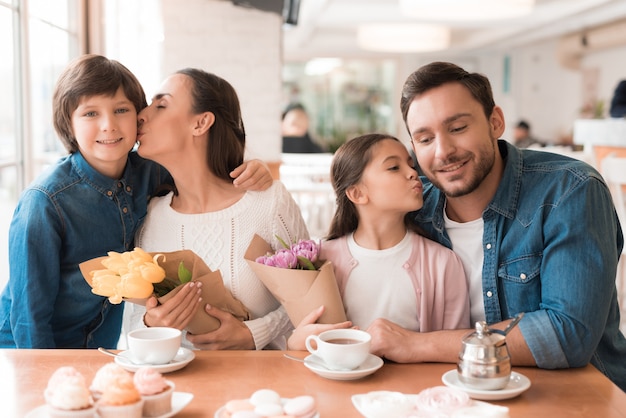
(340, 349)
(157, 345)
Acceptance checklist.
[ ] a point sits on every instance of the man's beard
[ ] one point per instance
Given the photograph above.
(483, 168)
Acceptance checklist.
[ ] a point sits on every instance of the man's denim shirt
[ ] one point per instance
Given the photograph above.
(70, 214)
(551, 244)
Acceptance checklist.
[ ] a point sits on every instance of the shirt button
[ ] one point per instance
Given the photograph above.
(128, 189)
(125, 210)
(109, 193)
(119, 184)
(488, 246)
(489, 294)
(522, 276)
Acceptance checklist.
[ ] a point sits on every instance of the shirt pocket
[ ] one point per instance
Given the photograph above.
(520, 285)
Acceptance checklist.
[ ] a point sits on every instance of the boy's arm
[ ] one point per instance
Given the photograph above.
(252, 175)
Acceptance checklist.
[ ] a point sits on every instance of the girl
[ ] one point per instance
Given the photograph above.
(384, 268)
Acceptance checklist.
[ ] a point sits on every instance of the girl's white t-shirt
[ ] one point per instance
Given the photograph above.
(379, 286)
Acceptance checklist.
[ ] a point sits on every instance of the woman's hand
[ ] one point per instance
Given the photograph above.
(308, 327)
(178, 311)
(252, 175)
(232, 334)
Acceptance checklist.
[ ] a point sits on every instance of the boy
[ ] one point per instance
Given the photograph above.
(90, 202)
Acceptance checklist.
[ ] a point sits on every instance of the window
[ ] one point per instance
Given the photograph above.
(39, 37)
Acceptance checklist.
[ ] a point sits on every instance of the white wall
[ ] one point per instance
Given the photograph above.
(242, 45)
(542, 91)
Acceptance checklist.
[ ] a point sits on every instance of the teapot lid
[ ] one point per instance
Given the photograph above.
(483, 336)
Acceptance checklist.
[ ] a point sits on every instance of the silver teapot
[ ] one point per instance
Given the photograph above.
(484, 360)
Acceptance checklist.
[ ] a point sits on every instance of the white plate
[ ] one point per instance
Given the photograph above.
(179, 401)
(517, 384)
(183, 357)
(221, 413)
(369, 366)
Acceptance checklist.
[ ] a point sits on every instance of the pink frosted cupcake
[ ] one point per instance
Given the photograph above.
(120, 399)
(104, 376)
(155, 390)
(67, 395)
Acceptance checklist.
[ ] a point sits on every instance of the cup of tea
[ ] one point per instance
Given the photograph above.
(157, 345)
(340, 349)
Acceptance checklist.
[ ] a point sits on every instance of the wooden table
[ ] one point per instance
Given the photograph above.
(216, 377)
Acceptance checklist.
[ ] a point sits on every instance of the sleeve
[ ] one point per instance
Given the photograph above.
(289, 225)
(35, 269)
(578, 269)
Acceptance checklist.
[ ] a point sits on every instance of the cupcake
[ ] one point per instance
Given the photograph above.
(67, 395)
(120, 399)
(155, 391)
(104, 376)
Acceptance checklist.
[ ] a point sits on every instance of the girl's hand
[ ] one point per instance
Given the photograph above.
(308, 327)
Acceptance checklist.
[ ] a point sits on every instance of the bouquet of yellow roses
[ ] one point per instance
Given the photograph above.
(297, 279)
(136, 275)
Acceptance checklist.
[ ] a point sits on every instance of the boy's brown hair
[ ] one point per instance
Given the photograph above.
(86, 76)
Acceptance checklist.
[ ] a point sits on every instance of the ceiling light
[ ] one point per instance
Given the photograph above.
(458, 10)
(403, 37)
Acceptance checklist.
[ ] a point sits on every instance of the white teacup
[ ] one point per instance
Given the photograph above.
(340, 349)
(157, 345)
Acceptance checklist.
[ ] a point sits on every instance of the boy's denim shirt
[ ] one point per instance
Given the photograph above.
(70, 214)
(551, 244)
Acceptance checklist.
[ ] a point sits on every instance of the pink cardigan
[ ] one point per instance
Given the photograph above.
(441, 289)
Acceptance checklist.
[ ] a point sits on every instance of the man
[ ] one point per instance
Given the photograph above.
(537, 233)
(522, 136)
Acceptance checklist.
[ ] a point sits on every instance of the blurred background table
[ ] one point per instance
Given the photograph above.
(215, 377)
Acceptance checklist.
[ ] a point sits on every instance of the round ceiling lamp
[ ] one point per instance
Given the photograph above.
(464, 10)
(403, 37)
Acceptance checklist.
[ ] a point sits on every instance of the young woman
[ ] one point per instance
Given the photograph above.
(384, 267)
(194, 129)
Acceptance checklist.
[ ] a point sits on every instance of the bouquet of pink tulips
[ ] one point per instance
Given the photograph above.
(297, 277)
(300, 256)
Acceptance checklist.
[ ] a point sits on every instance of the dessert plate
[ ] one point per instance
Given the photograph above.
(183, 357)
(517, 384)
(179, 401)
(369, 366)
(222, 413)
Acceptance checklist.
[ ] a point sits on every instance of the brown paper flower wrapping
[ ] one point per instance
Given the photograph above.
(213, 290)
(299, 291)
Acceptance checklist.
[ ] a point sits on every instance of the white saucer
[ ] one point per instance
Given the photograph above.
(221, 413)
(517, 384)
(183, 357)
(369, 366)
(179, 401)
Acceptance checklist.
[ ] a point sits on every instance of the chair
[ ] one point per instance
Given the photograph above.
(614, 173)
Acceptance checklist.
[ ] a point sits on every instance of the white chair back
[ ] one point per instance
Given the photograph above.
(614, 173)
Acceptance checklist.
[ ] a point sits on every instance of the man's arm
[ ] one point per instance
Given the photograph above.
(403, 346)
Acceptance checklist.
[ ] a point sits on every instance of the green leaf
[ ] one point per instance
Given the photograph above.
(306, 263)
(164, 287)
(184, 275)
(282, 242)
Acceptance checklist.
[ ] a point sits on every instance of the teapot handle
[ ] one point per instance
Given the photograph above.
(511, 325)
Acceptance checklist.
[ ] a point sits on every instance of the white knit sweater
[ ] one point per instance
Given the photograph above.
(221, 238)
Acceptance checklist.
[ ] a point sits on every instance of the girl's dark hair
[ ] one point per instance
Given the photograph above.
(436, 74)
(90, 75)
(227, 136)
